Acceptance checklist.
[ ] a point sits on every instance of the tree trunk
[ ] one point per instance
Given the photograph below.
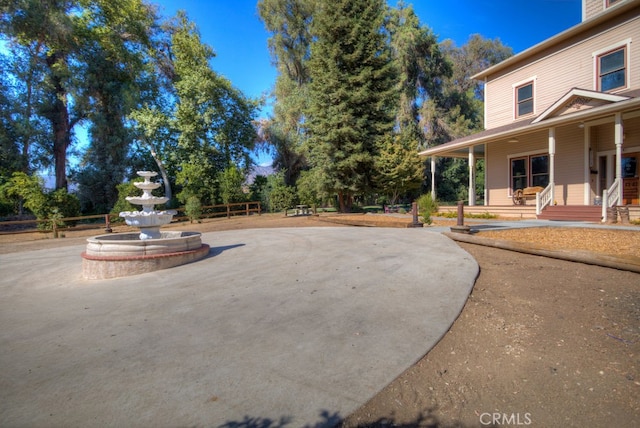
(163, 173)
(345, 201)
(59, 117)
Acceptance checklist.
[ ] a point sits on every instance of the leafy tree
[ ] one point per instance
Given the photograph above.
(278, 195)
(114, 53)
(231, 182)
(29, 189)
(422, 67)
(460, 111)
(213, 119)
(399, 168)
(289, 22)
(309, 187)
(257, 189)
(25, 190)
(351, 94)
(49, 30)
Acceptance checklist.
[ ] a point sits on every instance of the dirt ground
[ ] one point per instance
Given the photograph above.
(541, 342)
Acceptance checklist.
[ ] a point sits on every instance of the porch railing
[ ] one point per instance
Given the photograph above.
(543, 198)
(611, 197)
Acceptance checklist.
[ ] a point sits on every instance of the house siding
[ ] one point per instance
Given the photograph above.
(569, 161)
(570, 167)
(561, 68)
(498, 164)
(592, 8)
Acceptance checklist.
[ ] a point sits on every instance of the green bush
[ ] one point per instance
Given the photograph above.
(124, 190)
(278, 196)
(426, 207)
(193, 208)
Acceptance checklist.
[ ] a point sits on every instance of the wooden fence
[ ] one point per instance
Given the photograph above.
(104, 221)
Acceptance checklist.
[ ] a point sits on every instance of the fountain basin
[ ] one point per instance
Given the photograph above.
(124, 254)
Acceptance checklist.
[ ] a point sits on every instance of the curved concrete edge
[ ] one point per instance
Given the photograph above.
(106, 267)
(631, 264)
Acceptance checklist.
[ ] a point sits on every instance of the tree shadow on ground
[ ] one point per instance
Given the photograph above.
(334, 420)
(216, 251)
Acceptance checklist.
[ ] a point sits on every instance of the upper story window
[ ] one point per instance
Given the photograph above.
(612, 2)
(612, 69)
(524, 99)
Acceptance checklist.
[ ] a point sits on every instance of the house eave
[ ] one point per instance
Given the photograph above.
(608, 14)
(453, 148)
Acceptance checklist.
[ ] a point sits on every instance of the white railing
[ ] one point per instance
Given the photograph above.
(543, 198)
(611, 197)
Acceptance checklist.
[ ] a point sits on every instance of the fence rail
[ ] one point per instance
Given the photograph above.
(92, 221)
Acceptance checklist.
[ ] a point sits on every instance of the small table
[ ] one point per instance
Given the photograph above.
(302, 209)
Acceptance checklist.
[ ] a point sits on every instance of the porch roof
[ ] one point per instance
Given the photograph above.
(460, 146)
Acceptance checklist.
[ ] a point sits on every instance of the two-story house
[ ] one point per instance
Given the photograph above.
(563, 116)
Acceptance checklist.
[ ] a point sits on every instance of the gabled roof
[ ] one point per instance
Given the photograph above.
(577, 99)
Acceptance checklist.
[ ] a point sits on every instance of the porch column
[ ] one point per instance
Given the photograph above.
(588, 153)
(433, 178)
(472, 178)
(618, 141)
(552, 163)
(619, 136)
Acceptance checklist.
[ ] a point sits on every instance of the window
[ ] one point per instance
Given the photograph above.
(540, 170)
(529, 171)
(612, 70)
(612, 2)
(524, 99)
(519, 173)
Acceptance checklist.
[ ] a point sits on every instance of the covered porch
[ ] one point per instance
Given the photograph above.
(583, 151)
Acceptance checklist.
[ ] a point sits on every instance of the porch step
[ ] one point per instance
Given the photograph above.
(572, 213)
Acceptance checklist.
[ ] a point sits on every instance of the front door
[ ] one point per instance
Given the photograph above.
(630, 188)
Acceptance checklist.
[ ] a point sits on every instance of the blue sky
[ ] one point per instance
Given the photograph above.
(234, 30)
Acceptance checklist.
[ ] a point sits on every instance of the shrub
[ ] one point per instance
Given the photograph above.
(426, 207)
(124, 190)
(193, 208)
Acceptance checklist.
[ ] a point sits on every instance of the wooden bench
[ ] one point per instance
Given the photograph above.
(520, 196)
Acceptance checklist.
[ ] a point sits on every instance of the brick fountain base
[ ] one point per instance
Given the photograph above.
(125, 254)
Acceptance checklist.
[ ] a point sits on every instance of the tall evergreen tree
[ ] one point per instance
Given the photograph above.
(351, 94)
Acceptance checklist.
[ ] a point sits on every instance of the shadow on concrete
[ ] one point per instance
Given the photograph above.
(334, 420)
(215, 251)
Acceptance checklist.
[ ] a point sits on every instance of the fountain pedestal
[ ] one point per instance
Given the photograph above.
(125, 254)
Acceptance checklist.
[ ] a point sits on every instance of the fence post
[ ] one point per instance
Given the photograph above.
(107, 224)
(247, 207)
(460, 227)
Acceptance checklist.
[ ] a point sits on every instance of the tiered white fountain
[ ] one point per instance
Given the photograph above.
(148, 220)
(124, 254)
